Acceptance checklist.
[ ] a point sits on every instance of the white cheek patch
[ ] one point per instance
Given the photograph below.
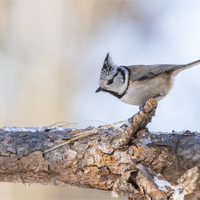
(118, 79)
(124, 82)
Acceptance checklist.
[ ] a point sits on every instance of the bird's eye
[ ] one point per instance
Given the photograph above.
(110, 81)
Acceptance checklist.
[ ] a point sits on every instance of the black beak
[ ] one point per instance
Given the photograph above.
(98, 90)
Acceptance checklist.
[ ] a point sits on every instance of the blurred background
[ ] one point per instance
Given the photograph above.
(51, 54)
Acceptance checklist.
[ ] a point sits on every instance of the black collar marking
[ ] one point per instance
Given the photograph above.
(119, 96)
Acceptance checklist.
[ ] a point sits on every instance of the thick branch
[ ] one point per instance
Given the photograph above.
(134, 162)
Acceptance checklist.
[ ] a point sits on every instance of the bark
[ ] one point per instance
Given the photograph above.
(134, 162)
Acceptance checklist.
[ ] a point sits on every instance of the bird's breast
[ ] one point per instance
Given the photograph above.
(140, 91)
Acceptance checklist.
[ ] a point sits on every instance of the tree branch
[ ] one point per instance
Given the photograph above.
(128, 161)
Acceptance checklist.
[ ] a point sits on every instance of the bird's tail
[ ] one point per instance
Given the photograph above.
(186, 66)
(197, 62)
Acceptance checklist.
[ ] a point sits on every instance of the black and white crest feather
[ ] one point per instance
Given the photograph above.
(113, 78)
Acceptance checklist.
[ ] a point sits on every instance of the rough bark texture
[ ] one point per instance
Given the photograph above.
(135, 162)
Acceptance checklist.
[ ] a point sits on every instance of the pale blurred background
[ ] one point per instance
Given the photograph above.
(51, 54)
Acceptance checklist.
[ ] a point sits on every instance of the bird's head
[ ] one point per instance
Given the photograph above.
(113, 79)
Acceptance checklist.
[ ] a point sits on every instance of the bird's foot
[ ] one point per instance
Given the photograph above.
(144, 105)
(141, 107)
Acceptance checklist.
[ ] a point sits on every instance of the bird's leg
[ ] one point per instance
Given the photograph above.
(141, 107)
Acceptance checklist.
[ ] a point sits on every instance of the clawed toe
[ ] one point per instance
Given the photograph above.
(141, 107)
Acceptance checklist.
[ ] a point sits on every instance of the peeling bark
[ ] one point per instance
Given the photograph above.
(135, 162)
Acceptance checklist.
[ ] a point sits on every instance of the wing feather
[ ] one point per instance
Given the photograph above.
(144, 72)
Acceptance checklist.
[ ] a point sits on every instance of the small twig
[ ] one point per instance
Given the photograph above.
(70, 123)
(86, 133)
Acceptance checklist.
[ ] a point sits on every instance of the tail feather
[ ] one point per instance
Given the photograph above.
(197, 62)
(186, 66)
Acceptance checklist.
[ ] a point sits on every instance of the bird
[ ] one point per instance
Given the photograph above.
(136, 84)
